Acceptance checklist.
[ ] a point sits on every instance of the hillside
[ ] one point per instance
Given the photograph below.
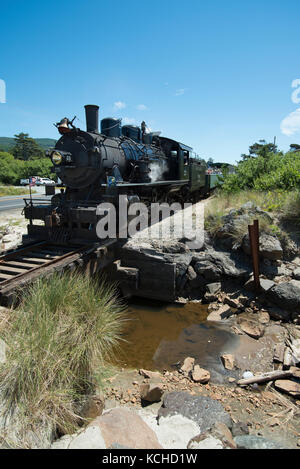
(6, 143)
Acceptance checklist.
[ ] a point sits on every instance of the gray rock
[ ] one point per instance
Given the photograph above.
(191, 274)
(208, 443)
(278, 314)
(208, 270)
(296, 273)
(151, 392)
(270, 247)
(239, 428)
(173, 432)
(286, 295)
(90, 438)
(213, 288)
(255, 442)
(201, 409)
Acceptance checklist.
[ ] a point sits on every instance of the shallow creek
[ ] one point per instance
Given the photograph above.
(158, 336)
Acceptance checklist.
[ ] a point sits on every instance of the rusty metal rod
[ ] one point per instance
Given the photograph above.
(254, 245)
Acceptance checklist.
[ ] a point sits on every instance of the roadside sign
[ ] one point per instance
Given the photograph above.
(32, 181)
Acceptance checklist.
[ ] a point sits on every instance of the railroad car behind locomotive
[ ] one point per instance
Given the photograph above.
(98, 166)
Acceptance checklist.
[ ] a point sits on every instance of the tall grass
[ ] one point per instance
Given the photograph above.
(11, 190)
(285, 204)
(59, 338)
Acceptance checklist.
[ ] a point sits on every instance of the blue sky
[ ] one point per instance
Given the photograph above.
(215, 75)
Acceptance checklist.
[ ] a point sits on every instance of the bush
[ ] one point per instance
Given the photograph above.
(12, 170)
(270, 172)
(58, 340)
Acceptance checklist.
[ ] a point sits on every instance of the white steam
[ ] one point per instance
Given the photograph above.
(157, 171)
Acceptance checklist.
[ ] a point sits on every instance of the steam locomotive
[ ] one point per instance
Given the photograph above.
(99, 166)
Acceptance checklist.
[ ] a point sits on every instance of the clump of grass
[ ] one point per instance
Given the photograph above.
(58, 339)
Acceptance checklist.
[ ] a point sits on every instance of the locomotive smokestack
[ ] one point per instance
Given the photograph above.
(92, 117)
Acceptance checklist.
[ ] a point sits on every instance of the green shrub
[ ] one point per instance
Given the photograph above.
(262, 173)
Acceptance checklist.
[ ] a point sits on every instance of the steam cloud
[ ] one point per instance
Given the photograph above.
(157, 171)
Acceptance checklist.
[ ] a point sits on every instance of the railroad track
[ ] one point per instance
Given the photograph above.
(28, 263)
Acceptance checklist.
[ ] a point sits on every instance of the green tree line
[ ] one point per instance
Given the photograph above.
(25, 159)
(265, 168)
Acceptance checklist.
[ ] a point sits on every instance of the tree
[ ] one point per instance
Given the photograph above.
(26, 148)
(210, 161)
(260, 148)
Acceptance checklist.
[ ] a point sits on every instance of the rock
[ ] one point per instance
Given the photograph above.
(222, 432)
(222, 313)
(218, 437)
(229, 264)
(244, 300)
(63, 442)
(290, 387)
(127, 428)
(232, 302)
(286, 295)
(251, 328)
(187, 366)
(263, 317)
(151, 392)
(3, 348)
(207, 443)
(265, 284)
(93, 407)
(201, 409)
(270, 247)
(279, 353)
(231, 380)
(255, 442)
(208, 270)
(228, 361)
(173, 432)
(278, 314)
(247, 374)
(239, 428)
(296, 273)
(210, 297)
(90, 438)
(200, 375)
(190, 273)
(150, 374)
(295, 371)
(213, 288)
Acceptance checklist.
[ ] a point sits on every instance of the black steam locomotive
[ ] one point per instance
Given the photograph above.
(99, 166)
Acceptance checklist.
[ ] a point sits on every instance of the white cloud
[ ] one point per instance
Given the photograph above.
(180, 92)
(142, 107)
(119, 105)
(128, 120)
(290, 125)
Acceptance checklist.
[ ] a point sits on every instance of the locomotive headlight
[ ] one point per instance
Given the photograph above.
(56, 157)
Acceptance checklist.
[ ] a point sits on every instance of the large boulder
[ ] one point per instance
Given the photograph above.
(269, 246)
(286, 295)
(201, 409)
(173, 432)
(125, 427)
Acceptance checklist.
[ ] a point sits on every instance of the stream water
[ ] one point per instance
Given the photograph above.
(158, 336)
